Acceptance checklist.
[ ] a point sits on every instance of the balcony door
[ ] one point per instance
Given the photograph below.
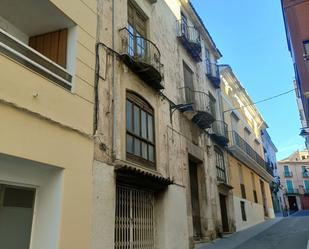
(289, 186)
(188, 83)
(264, 199)
(138, 31)
(195, 200)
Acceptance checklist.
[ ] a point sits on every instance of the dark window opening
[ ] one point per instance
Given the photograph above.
(243, 211)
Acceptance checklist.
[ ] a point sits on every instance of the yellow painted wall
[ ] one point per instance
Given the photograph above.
(42, 128)
(235, 182)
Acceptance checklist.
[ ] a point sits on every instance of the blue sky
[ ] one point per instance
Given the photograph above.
(251, 37)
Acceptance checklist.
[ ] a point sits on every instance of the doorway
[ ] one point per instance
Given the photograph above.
(224, 215)
(16, 215)
(292, 204)
(264, 199)
(195, 200)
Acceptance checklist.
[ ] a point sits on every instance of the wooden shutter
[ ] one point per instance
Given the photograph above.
(53, 45)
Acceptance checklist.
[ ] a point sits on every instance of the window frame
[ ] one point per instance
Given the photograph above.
(142, 105)
(220, 160)
(243, 210)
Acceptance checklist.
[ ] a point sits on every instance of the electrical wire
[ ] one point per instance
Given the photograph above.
(261, 101)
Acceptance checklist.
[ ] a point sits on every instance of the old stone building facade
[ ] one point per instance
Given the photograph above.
(116, 131)
(160, 138)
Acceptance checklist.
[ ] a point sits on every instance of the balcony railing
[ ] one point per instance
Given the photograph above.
(292, 191)
(25, 55)
(288, 174)
(190, 38)
(201, 105)
(237, 140)
(143, 57)
(213, 74)
(219, 132)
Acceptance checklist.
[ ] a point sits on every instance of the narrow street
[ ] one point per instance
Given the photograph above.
(288, 233)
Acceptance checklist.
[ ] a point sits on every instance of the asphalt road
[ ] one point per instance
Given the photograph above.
(289, 233)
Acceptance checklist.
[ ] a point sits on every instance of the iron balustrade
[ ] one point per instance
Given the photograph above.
(220, 129)
(190, 38)
(190, 33)
(141, 50)
(212, 69)
(200, 100)
(238, 141)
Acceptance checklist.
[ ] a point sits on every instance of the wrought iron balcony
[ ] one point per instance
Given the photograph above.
(199, 108)
(213, 74)
(219, 132)
(292, 191)
(241, 149)
(190, 38)
(143, 57)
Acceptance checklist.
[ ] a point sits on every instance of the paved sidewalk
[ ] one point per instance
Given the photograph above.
(234, 240)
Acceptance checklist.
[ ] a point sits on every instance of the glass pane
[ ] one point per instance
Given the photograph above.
(144, 124)
(130, 40)
(150, 128)
(144, 151)
(136, 120)
(137, 147)
(129, 144)
(129, 115)
(151, 153)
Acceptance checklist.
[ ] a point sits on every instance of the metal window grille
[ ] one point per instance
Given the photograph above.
(135, 227)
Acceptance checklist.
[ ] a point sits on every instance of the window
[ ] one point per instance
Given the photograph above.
(241, 180)
(243, 211)
(287, 172)
(247, 134)
(306, 182)
(234, 121)
(289, 185)
(16, 212)
(184, 25)
(254, 188)
(304, 171)
(137, 27)
(221, 174)
(188, 83)
(140, 130)
(306, 49)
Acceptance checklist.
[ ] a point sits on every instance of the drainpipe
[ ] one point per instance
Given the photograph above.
(114, 109)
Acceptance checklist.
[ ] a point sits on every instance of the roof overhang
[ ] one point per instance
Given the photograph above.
(141, 177)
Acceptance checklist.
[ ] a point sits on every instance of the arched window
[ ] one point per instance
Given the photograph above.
(140, 135)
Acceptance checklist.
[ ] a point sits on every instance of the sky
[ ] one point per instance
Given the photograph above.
(251, 38)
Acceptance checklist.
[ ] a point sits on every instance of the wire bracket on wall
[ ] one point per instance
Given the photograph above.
(180, 107)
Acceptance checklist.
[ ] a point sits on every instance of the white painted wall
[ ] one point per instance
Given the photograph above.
(104, 206)
(254, 212)
(47, 210)
(171, 222)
